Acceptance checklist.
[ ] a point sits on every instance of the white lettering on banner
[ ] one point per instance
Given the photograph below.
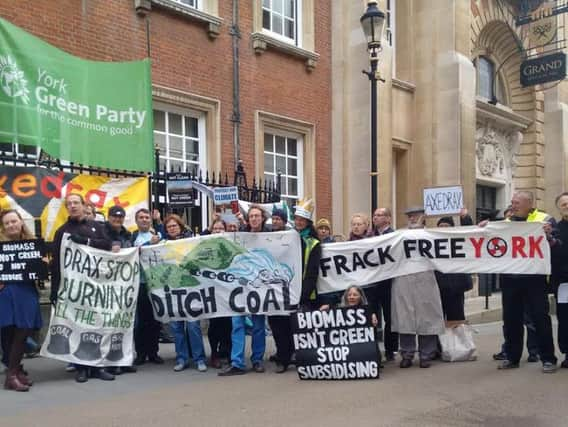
(500, 247)
(224, 275)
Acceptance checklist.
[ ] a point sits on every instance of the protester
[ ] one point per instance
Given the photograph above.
(452, 286)
(146, 328)
(527, 291)
(256, 224)
(185, 333)
(416, 308)
(280, 324)
(560, 276)
(219, 332)
(354, 296)
(86, 232)
(359, 226)
(120, 238)
(323, 227)
(380, 296)
(19, 307)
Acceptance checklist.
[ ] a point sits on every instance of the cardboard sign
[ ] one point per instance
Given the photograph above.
(443, 200)
(21, 261)
(336, 344)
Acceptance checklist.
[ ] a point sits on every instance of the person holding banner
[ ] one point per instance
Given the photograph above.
(146, 328)
(527, 291)
(19, 306)
(86, 232)
(560, 276)
(219, 332)
(185, 332)
(256, 224)
(416, 308)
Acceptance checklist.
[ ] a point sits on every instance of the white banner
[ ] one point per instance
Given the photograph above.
(500, 247)
(93, 321)
(224, 275)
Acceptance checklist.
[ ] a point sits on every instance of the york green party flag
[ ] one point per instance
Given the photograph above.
(94, 113)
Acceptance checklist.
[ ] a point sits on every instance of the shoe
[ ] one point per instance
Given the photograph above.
(81, 376)
(156, 360)
(114, 370)
(280, 369)
(180, 367)
(389, 356)
(23, 377)
(215, 363)
(273, 358)
(230, 371)
(507, 364)
(549, 367)
(140, 360)
(258, 367)
(533, 358)
(201, 366)
(564, 363)
(101, 374)
(128, 369)
(13, 383)
(405, 363)
(70, 368)
(425, 364)
(500, 356)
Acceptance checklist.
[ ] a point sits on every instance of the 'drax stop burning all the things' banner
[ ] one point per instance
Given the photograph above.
(500, 247)
(223, 275)
(93, 321)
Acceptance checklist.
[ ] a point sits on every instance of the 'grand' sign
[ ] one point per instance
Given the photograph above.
(544, 69)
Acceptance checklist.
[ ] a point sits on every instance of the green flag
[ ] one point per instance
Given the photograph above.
(94, 113)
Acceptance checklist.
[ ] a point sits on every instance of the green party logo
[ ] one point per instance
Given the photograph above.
(12, 80)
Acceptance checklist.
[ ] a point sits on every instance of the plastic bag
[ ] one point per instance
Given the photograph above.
(457, 344)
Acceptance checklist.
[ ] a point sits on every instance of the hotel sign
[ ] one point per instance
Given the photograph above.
(544, 69)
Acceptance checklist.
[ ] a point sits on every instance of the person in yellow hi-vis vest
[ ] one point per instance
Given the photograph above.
(527, 291)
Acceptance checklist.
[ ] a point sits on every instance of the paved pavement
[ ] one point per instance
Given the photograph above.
(459, 394)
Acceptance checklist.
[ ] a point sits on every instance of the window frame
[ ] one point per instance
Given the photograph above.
(299, 157)
(181, 3)
(298, 29)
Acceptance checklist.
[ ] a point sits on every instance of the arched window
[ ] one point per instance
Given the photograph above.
(486, 86)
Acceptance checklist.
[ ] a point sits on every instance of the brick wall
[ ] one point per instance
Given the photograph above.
(185, 58)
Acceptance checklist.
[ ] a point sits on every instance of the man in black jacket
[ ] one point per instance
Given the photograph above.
(560, 276)
(86, 232)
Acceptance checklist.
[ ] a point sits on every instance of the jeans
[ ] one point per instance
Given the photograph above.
(238, 338)
(183, 335)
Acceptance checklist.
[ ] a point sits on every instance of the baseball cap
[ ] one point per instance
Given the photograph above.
(116, 211)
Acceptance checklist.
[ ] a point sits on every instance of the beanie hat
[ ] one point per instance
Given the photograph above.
(446, 220)
(323, 222)
(280, 212)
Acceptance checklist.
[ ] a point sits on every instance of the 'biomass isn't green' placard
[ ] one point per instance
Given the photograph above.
(93, 113)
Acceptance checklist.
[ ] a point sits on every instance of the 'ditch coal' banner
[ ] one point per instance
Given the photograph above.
(500, 247)
(335, 344)
(38, 193)
(93, 321)
(224, 275)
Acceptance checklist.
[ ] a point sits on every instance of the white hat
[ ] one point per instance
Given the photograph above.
(304, 209)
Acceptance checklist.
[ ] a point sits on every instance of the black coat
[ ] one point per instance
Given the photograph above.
(454, 282)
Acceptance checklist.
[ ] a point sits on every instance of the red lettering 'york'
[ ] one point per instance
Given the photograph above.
(534, 247)
(519, 247)
(477, 245)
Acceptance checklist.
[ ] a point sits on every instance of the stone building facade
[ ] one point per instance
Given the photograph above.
(451, 109)
(274, 114)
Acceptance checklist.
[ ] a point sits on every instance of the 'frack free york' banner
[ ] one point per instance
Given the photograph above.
(500, 247)
(39, 193)
(92, 113)
(224, 275)
(93, 321)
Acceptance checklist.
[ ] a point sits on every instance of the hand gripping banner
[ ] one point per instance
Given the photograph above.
(500, 247)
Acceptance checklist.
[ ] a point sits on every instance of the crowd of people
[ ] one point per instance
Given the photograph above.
(414, 308)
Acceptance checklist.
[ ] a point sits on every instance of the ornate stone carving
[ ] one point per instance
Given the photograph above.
(495, 151)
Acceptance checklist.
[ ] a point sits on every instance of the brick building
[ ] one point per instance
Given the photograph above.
(283, 119)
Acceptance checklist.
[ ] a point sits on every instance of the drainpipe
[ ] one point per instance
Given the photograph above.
(236, 117)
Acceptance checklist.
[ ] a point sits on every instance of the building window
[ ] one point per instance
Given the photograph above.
(20, 150)
(281, 19)
(487, 87)
(181, 140)
(283, 153)
(191, 3)
(390, 22)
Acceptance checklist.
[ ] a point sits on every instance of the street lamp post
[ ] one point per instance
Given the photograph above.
(373, 21)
